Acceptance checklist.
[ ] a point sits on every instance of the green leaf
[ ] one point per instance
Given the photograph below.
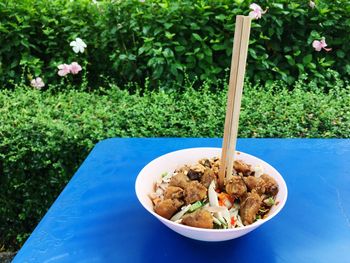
(208, 52)
(196, 50)
(252, 53)
(300, 67)
(169, 35)
(324, 11)
(131, 57)
(158, 71)
(315, 34)
(197, 37)
(37, 71)
(287, 49)
(219, 47)
(123, 57)
(290, 60)
(180, 48)
(312, 65)
(327, 63)
(200, 56)
(262, 36)
(168, 53)
(221, 17)
(297, 53)
(113, 30)
(307, 59)
(278, 6)
(340, 54)
(168, 25)
(173, 70)
(347, 69)
(194, 26)
(141, 50)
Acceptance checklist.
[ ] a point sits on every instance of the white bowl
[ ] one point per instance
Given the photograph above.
(169, 162)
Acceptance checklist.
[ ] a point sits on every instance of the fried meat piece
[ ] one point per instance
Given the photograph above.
(194, 191)
(236, 186)
(242, 167)
(179, 180)
(168, 207)
(200, 218)
(256, 183)
(173, 192)
(207, 177)
(250, 206)
(271, 185)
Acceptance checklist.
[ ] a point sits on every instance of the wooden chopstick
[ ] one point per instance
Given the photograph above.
(230, 97)
(238, 65)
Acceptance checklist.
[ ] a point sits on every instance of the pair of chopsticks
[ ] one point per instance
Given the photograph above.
(238, 65)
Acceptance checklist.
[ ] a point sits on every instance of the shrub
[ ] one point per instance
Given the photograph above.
(45, 135)
(162, 40)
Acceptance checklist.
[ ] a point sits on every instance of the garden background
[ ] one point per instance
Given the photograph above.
(154, 69)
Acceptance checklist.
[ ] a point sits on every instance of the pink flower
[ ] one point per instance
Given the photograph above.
(312, 4)
(318, 45)
(256, 12)
(64, 69)
(75, 68)
(37, 83)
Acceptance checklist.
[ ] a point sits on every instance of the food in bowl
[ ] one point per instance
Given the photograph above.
(191, 196)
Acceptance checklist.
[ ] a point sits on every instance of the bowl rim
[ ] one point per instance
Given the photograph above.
(252, 226)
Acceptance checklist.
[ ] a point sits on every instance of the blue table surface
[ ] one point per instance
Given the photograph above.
(97, 217)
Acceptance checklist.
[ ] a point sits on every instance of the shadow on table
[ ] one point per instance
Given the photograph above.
(254, 247)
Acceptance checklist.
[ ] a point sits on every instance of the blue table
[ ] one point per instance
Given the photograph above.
(97, 217)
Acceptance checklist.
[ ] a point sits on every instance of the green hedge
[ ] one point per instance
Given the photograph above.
(162, 40)
(45, 136)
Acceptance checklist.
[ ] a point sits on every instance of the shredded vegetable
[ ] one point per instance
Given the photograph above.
(181, 213)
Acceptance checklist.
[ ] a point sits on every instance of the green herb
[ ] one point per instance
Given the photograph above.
(263, 210)
(270, 201)
(164, 174)
(195, 206)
